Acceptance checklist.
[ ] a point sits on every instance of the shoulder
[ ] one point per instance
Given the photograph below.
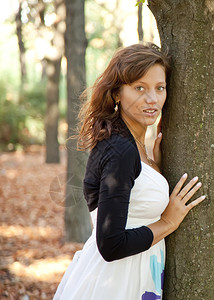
(117, 148)
(116, 145)
(119, 152)
(119, 142)
(121, 147)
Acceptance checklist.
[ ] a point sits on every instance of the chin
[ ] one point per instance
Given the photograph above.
(147, 121)
(150, 120)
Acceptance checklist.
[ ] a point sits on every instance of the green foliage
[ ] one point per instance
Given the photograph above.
(103, 35)
(33, 99)
(138, 2)
(23, 107)
(12, 124)
(21, 122)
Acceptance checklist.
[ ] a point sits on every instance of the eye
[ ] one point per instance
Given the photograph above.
(161, 88)
(140, 88)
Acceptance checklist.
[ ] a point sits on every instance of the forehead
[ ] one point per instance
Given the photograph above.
(155, 73)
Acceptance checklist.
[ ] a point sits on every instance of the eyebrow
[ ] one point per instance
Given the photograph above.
(161, 82)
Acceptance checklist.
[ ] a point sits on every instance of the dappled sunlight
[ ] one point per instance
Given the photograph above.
(11, 174)
(27, 231)
(18, 154)
(48, 269)
(34, 255)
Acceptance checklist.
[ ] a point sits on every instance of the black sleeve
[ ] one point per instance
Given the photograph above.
(118, 171)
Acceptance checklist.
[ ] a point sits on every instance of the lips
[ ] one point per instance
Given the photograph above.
(150, 111)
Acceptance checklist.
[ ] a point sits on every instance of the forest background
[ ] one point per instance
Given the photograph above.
(23, 82)
(34, 254)
(42, 207)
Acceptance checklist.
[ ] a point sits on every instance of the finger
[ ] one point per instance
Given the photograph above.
(186, 189)
(179, 185)
(159, 126)
(195, 202)
(192, 192)
(157, 155)
(158, 141)
(159, 137)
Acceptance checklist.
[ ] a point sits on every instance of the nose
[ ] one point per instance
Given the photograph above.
(151, 96)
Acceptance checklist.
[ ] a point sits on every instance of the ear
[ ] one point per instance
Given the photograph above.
(117, 96)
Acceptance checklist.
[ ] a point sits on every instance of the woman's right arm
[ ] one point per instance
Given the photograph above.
(118, 172)
(177, 208)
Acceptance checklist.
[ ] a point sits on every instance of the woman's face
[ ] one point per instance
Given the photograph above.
(141, 101)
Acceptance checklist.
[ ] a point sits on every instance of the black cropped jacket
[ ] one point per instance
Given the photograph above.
(112, 167)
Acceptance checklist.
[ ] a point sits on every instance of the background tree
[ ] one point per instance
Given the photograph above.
(37, 11)
(18, 19)
(115, 21)
(53, 67)
(140, 22)
(77, 222)
(186, 28)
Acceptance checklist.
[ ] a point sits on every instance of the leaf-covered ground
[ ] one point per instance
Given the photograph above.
(33, 253)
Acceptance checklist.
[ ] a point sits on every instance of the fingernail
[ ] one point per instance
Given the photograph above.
(195, 178)
(185, 175)
(203, 197)
(198, 184)
(159, 134)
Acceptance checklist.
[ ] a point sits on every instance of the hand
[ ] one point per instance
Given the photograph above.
(177, 208)
(157, 149)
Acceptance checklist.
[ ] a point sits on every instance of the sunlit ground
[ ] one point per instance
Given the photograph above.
(33, 254)
(48, 270)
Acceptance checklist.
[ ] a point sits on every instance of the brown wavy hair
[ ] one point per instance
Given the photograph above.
(97, 117)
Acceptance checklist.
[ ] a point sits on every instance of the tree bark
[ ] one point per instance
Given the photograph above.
(21, 44)
(52, 110)
(53, 67)
(77, 222)
(186, 28)
(140, 23)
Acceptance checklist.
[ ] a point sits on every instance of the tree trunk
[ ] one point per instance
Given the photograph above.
(53, 67)
(186, 28)
(140, 23)
(52, 110)
(21, 44)
(77, 222)
(117, 24)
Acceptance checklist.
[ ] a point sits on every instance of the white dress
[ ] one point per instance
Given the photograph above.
(137, 277)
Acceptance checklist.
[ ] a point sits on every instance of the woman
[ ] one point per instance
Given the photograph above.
(126, 194)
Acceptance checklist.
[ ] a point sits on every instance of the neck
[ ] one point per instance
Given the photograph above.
(136, 129)
(140, 141)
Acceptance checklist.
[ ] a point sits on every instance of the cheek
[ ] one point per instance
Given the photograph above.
(130, 107)
(132, 100)
(127, 102)
(162, 100)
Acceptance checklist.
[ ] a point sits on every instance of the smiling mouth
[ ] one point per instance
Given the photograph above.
(150, 110)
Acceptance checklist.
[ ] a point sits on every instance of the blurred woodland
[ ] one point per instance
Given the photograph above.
(50, 51)
(32, 52)
(34, 127)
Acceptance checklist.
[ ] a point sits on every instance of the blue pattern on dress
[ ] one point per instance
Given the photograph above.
(150, 296)
(157, 271)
